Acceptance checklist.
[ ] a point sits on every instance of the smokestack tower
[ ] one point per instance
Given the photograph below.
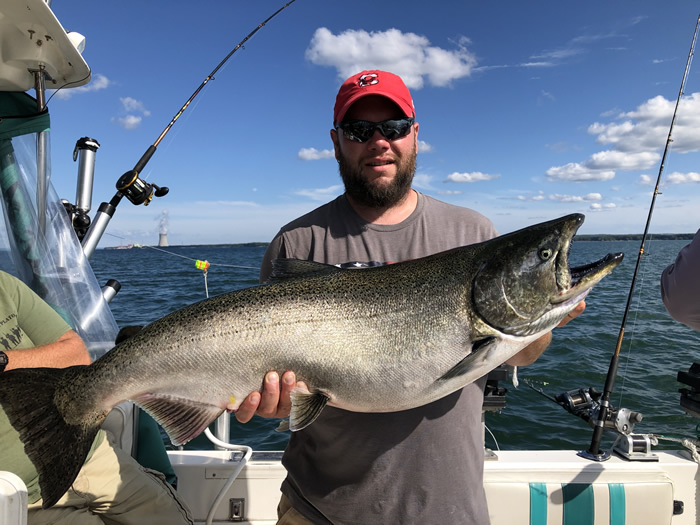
(163, 229)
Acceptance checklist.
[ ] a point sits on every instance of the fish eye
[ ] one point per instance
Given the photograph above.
(545, 253)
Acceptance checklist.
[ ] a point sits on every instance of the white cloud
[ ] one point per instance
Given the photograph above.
(475, 176)
(540, 196)
(424, 147)
(538, 64)
(409, 55)
(314, 154)
(532, 198)
(97, 83)
(321, 194)
(129, 122)
(423, 182)
(132, 105)
(646, 128)
(683, 178)
(575, 172)
(575, 198)
(619, 160)
(596, 206)
(637, 139)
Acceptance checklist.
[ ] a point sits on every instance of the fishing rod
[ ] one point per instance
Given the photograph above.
(594, 453)
(133, 187)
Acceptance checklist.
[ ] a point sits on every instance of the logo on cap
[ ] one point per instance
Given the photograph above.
(368, 80)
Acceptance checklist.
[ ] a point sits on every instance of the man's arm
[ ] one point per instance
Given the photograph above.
(67, 350)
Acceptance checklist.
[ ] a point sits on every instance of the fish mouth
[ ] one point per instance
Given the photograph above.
(575, 283)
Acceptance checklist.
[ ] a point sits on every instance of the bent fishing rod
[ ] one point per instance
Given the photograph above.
(594, 453)
(133, 187)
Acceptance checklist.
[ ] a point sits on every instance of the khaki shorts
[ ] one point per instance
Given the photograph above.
(113, 488)
(288, 515)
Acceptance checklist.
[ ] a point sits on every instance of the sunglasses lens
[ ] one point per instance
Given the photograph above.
(394, 129)
(359, 130)
(362, 130)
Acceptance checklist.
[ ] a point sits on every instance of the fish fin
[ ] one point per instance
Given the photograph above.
(478, 348)
(283, 426)
(287, 268)
(182, 419)
(306, 406)
(56, 448)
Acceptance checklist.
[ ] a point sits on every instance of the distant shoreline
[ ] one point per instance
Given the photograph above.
(586, 237)
(635, 237)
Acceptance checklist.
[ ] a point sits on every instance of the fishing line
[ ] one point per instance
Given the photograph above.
(184, 256)
(211, 75)
(594, 453)
(195, 260)
(628, 354)
(130, 185)
(151, 149)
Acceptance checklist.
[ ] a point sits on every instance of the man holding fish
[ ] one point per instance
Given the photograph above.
(396, 352)
(423, 465)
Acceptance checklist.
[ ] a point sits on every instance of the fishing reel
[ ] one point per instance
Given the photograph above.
(621, 421)
(586, 405)
(137, 190)
(494, 394)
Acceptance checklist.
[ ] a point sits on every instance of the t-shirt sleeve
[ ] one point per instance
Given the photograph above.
(680, 285)
(274, 251)
(37, 319)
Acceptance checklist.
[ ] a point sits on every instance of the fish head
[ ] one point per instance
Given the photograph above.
(524, 284)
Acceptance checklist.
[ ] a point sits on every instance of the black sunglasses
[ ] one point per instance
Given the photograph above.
(362, 130)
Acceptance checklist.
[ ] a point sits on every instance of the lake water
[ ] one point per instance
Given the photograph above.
(156, 281)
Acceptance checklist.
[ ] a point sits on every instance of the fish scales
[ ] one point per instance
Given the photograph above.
(349, 328)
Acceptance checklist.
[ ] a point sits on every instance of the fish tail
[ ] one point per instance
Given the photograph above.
(57, 448)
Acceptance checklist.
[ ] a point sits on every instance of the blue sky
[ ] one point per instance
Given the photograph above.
(527, 110)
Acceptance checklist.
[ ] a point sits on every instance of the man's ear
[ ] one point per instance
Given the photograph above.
(336, 143)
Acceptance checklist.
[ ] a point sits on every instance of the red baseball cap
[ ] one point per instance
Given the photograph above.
(372, 83)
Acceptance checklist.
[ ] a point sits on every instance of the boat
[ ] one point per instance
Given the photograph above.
(50, 242)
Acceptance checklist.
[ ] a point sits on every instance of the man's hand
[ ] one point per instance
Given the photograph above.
(573, 314)
(274, 400)
(530, 353)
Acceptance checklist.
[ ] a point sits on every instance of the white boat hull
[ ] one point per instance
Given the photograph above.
(522, 488)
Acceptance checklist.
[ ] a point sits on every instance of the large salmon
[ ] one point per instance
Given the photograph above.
(380, 339)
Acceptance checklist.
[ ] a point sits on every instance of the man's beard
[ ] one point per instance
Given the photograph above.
(364, 192)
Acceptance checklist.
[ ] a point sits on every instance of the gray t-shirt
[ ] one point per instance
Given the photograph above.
(423, 465)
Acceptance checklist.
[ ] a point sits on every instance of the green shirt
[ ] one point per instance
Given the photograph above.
(26, 321)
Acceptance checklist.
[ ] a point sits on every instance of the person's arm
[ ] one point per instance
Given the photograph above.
(48, 339)
(67, 350)
(534, 350)
(680, 285)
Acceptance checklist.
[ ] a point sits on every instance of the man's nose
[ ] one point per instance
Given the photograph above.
(378, 139)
